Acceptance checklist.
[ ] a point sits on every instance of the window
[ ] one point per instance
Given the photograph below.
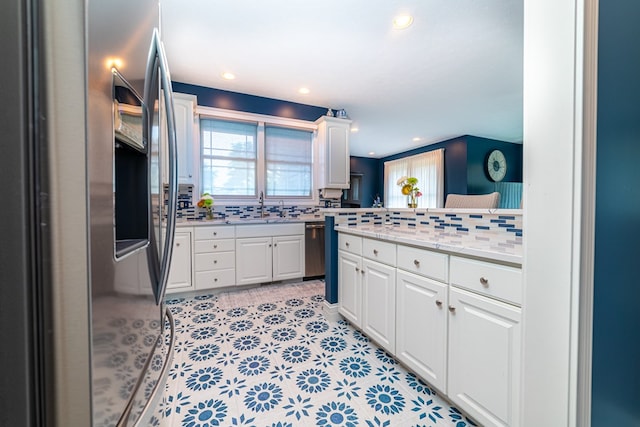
(288, 159)
(428, 168)
(240, 159)
(229, 158)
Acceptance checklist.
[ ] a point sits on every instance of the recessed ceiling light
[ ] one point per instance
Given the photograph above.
(371, 153)
(417, 139)
(354, 129)
(228, 76)
(304, 90)
(401, 22)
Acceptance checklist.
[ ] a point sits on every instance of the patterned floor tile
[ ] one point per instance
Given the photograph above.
(280, 363)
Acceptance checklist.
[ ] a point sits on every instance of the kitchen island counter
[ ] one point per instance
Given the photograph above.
(489, 245)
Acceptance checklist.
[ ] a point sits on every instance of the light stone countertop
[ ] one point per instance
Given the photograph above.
(246, 221)
(490, 245)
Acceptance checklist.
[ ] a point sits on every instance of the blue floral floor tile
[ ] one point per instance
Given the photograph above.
(282, 364)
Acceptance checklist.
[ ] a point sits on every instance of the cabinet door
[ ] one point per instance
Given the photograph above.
(379, 303)
(253, 260)
(288, 257)
(421, 327)
(338, 175)
(180, 270)
(183, 106)
(484, 357)
(350, 287)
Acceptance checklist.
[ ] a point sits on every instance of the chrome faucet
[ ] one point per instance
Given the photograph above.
(261, 201)
(283, 213)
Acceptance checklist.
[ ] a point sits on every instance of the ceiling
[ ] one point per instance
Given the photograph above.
(456, 71)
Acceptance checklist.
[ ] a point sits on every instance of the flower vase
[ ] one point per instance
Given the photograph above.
(209, 213)
(412, 202)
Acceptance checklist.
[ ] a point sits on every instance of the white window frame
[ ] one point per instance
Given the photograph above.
(430, 182)
(261, 174)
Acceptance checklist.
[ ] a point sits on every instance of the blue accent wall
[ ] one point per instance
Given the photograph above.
(465, 160)
(217, 98)
(616, 311)
(370, 170)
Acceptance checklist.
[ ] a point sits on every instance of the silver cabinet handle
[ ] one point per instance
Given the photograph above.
(215, 233)
(177, 244)
(439, 303)
(357, 269)
(215, 280)
(347, 244)
(215, 261)
(275, 244)
(215, 246)
(269, 244)
(452, 309)
(375, 252)
(416, 263)
(362, 271)
(484, 282)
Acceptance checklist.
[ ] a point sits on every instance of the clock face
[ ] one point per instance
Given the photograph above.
(497, 165)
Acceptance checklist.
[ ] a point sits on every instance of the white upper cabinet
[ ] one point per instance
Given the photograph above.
(184, 110)
(333, 152)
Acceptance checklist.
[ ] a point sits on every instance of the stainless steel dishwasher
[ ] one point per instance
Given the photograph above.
(314, 249)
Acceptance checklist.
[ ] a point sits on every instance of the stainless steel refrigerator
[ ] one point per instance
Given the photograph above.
(129, 113)
(88, 219)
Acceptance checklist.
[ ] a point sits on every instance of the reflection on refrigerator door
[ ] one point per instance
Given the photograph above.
(132, 334)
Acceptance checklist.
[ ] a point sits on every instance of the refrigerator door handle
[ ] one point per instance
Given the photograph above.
(158, 59)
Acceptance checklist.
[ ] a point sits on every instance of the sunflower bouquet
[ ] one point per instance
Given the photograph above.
(206, 202)
(409, 188)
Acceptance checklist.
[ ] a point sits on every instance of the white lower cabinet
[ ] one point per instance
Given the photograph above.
(215, 260)
(275, 253)
(181, 268)
(379, 303)
(254, 260)
(350, 287)
(421, 327)
(484, 357)
(454, 321)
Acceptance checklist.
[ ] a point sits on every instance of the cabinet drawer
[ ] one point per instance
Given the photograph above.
(376, 250)
(215, 232)
(495, 280)
(215, 261)
(349, 243)
(224, 245)
(215, 279)
(423, 262)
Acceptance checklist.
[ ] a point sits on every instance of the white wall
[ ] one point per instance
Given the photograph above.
(551, 173)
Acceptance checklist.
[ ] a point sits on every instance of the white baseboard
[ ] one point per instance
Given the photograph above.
(330, 311)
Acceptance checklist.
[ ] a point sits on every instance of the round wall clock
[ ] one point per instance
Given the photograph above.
(496, 165)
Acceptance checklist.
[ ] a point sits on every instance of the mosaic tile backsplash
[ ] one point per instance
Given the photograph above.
(187, 211)
(506, 221)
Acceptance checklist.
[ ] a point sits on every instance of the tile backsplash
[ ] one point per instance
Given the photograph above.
(188, 211)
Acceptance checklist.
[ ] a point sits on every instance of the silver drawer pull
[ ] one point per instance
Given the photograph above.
(347, 244)
(357, 269)
(215, 233)
(452, 309)
(484, 282)
(215, 280)
(439, 303)
(362, 271)
(177, 244)
(215, 261)
(416, 263)
(215, 246)
(375, 252)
